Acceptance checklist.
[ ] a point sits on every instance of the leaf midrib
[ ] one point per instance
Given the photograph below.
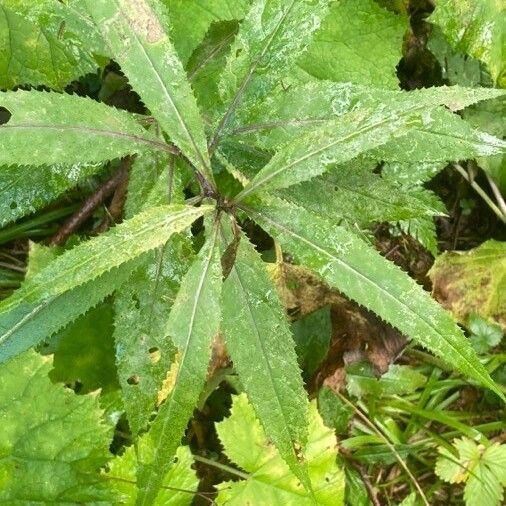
(166, 92)
(99, 131)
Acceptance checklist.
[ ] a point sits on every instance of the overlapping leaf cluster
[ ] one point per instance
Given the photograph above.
(292, 137)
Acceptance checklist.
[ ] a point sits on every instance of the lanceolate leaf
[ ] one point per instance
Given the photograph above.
(30, 322)
(85, 263)
(143, 351)
(349, 264)
(193, 322)
(271, 38)
(53, 441)
(355, 193)
(134, 32)
(261, 346)
(49, 128)
(359, 131)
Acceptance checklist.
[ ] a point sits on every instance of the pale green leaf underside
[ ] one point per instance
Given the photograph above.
(348, 263)
(359, 131)
(53, 441)
(271, 38)
(88, 261)
(271, 481)
(25, 189)
(34, 53)
(359, 42)
(181, 481)
(52, 128)
(134, 30)
(193, 323)
(261, 346)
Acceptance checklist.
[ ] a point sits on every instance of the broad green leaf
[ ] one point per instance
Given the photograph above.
(35, 51)
(193, 323)
(190, 21)
(357, 132)
(26, 189)
(476, 27)
(84, 352)
(44, 296)
(334, 412)
(457, 67)
(270, 480)
(143, 353)
(473, 281)
(349, 264)
(482, 469)
(53, 442)
(180, 482)
(134, 32)
(51, 128)
(270, 40)
(358, 42)
(261, 346)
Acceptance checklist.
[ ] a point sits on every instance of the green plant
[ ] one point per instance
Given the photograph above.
(264, 138)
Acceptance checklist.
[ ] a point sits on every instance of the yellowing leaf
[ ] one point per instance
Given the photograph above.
(270, 481)
(473, 281)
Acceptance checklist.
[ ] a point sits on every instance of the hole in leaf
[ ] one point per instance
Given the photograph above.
(133, 380)
(5, 116)
(176, 460)
(136, 301)
(13, 205)
(155, 354)
(238, 52)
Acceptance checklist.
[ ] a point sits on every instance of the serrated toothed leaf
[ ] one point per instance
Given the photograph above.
(51, 128)
(270, 40)
(359, 131)
(144, 352)
(33, 52)
(54, 442)
(260, 343)
(193, 323)
(84, 263)
(134, 31)
(349, 264)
